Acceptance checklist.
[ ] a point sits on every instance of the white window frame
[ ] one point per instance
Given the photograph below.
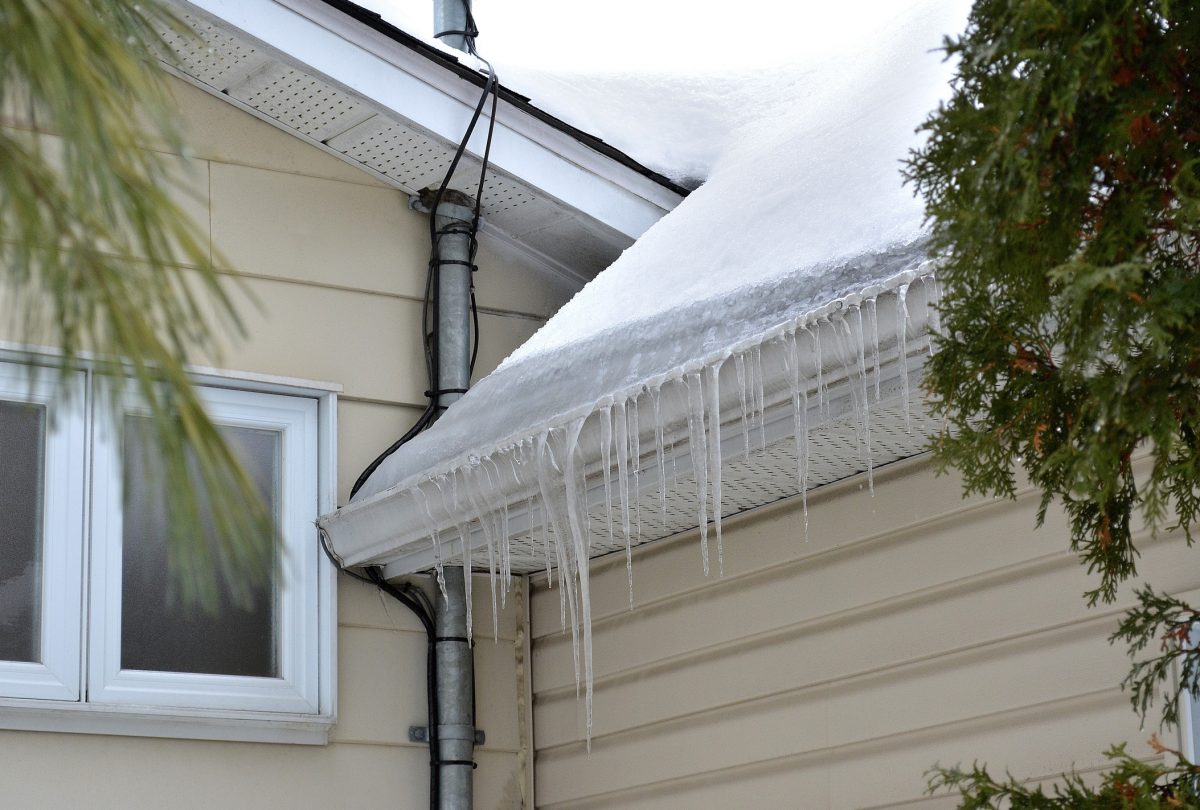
(56, 677)
(94, 697)
(295, 690)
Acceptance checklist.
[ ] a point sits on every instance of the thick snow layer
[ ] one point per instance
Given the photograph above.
(805, 205)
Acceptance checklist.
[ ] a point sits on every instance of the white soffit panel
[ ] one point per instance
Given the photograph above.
(232, 65)
(281, 59)
(300, 101)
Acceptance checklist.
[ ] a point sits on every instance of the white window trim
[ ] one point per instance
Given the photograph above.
(310, 721)
(57, 676)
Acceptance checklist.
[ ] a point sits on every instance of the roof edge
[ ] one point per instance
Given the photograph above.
(378, 528)
(523, 103)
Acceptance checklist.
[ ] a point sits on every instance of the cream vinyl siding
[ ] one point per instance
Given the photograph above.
(912, 627)
(335, 265)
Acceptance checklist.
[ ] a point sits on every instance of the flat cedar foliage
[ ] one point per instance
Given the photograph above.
(1062, 183)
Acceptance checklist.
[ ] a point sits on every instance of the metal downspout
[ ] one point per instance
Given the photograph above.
(453, 221)
(451, 22)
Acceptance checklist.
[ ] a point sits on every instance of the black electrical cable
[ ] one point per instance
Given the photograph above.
(430, 301)
(414, 598)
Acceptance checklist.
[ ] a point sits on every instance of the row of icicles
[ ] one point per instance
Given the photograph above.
(549, 469)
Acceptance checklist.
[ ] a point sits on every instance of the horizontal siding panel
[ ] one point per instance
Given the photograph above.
(368, 343)
(946, 683)
(908, 496)
(361, 237)
(1040, 741)
(381, 685)
(366, 429)
(314, 229)
(837, 580)
(123, 772)
(857, 644)
(885, 706)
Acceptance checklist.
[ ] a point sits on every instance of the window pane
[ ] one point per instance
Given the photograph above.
(22, 452)
(157, 631)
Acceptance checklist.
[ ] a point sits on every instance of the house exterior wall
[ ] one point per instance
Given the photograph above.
(912, 627)
(336, 262)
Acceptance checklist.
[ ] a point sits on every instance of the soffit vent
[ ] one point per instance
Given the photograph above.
(304, 103)
(212, 55)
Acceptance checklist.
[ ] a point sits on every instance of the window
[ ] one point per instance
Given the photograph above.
(91, 638)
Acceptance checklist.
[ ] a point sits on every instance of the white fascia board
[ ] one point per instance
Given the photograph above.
(403, 83)
(392, 528)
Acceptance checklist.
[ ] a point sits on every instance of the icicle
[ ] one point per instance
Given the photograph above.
(699, 451)
(875, 342)
(606, 439)
(434, 535)
(567, 596)
(902, 344)
(714, 455)
(866, 404)
(574, 496)
(819, 362)
(760, 407)
(842, 343)
(454, 509)
(468, 581)
(739, 365)
(635, 455)
(656, 398)
(505, 541)
(933, 300)
(622, 439)
(545, 544)
(635, 461)
(478, 504)
(799, 421)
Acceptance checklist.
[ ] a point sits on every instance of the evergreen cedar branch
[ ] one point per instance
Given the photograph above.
(97, 256)
(1062, 181)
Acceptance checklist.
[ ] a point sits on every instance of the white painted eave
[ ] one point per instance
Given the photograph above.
(398, 81)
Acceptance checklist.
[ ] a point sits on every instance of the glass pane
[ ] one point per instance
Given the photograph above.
(160, 633)
(22, 458)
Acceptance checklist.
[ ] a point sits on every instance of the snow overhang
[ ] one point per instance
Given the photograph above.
(822, 387)
(397, 109)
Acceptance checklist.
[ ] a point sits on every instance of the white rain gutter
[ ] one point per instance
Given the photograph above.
(409, 526)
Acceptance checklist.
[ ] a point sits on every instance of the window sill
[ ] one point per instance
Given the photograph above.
(147, 721)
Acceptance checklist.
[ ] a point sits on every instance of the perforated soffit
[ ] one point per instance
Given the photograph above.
(226, 63)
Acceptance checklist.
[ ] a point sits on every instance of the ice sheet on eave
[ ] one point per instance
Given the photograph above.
(806, 206)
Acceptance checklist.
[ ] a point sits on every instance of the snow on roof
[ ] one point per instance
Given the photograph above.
(806, 204)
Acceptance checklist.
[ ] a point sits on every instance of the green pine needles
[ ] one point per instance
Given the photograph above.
(97, 257)
(1062, 181)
